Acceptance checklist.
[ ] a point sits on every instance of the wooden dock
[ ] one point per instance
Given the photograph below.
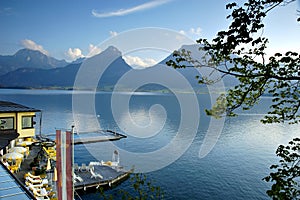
(99, 136)
(87, 140)
(110, 177)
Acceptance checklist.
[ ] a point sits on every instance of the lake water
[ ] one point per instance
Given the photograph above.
(232, 170)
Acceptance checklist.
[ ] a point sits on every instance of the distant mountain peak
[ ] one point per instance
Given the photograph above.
(29, 53)
(79, 60)
(65, 76)
(114, 50)
(28, 58)
(25, 52)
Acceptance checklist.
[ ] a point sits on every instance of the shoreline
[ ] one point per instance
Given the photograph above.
(125, 91)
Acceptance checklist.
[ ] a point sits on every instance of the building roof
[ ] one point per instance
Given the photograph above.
(6, 137)
(6, 106)
(10, 188)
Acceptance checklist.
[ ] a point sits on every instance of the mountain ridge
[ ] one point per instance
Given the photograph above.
(61, 77)
(64, 77)
(28, 58)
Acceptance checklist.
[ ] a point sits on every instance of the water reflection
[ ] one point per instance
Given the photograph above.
(232, 170)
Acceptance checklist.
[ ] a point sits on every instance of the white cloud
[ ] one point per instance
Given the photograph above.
(182, 32)
(195, 31)
(134, 9)
(113, 33)
(29, 44)
(135, 61)
(181, 36)
(192, 32)
(93, 50)
(73, 54)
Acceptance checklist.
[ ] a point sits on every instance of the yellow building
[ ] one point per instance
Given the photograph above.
(16, 123)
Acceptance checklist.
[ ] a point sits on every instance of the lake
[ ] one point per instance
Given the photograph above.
(233, 169)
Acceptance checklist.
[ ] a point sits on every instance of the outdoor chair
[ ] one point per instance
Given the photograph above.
(96, 175)
(34, 181)
(38, 194)
(90, 167)
(76, 167)
(16, 167)
(83, 167)
(33, 176)
(31, 186)
(77, 178)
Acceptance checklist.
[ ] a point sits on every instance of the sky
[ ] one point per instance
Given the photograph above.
(71, 29)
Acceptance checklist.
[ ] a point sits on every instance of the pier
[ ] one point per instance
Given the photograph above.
(106, 135)
(97, 136)
(85, 180)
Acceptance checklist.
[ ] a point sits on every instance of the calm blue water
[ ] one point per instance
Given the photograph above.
(232, 170)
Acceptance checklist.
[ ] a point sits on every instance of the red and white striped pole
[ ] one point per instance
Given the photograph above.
(64, 161)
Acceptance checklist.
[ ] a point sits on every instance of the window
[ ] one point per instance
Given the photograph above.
(7, 123)
(27, 122)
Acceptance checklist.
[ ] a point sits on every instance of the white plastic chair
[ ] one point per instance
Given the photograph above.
(95, 175)
(77, 178)
(83, 167)
(34, 181)
(76, 167)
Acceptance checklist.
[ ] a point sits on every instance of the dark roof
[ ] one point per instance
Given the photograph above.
(6, 106)
(6, 137)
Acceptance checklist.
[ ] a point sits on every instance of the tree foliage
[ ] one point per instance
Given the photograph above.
(240, 52)
(287, 174)
(143, 189)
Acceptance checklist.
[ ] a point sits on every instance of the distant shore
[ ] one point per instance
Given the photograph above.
(202, 90)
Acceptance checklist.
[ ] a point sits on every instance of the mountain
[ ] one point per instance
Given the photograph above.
(64, 76)
(99, 71)
(104, 69)
(27, 58)
(37, 78)
(78, 60)
(190, 73)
